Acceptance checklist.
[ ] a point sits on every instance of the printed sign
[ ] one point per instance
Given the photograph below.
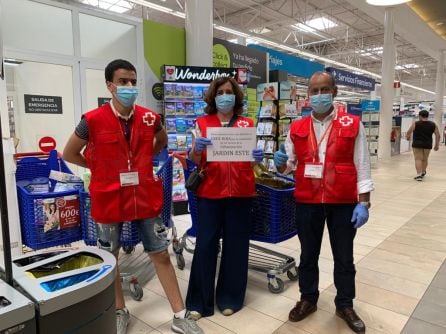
(103, 100)
(41, 104)
(231, 144)
(61, 213)
(267, 91)
(354, 109)
(293, 65)
(227, 54)
(202, 74)
(287, 90)
(350, 79)
(370, 105)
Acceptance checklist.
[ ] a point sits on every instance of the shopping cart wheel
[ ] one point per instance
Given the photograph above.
(136, 291)
(275, 285)
(180, 261)
(128, 249)
(292, 274)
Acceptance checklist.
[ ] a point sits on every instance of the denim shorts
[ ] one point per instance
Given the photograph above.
(151, 231)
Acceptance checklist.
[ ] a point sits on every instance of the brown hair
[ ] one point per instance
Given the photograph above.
(209, 98)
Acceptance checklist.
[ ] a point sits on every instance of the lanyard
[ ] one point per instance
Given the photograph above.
(313, 139)
(127, 134)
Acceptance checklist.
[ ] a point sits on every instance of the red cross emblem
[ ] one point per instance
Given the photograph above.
(242, 124)
(149, 118)
(346, 120)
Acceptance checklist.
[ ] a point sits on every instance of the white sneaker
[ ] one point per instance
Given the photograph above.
(122, 320)
(186, 325)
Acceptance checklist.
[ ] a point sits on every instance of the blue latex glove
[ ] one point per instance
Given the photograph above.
(257, 154)
(360, 215)
(280, 157)
(201, 143)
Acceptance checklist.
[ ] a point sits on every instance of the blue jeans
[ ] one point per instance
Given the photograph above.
(310, 220)
(108, 235)
(227, 218)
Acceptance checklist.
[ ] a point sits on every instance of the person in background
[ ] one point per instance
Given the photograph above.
(422, 141)
(224, 200)
(329, 156)
(121, 139)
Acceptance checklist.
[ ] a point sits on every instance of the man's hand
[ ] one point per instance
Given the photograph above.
(360, 215)
(280, 157)
(257, 154)
(436, 147)
(201, 143)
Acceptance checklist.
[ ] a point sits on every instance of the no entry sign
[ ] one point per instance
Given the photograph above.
(47, 144)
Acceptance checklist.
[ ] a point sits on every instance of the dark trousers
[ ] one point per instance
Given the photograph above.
(229, 219)
(310, 219)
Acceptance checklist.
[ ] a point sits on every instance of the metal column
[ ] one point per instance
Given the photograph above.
(439, 91)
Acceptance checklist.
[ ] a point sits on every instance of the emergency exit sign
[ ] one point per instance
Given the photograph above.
(42, 104)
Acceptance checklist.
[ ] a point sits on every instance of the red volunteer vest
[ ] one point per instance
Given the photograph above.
(108, 153)
(225, 179)
(339, 181)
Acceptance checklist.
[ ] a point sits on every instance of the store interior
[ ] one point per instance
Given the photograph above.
(388, 63)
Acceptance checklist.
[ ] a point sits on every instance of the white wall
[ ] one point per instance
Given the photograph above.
(43, 79)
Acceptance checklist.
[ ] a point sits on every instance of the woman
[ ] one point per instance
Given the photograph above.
(52, 217)
(224, 207)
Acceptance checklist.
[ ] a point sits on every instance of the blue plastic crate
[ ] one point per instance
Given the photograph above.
(129, 232)
(35, 226)
(273, 218)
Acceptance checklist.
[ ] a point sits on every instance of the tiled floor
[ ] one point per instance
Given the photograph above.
(398, 255)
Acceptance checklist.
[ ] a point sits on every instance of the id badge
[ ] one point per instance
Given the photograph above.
(314, 171)
(129, 179)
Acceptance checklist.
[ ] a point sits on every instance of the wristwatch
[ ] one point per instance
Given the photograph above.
(366, 204)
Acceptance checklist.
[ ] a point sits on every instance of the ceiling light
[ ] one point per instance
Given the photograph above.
(262, 30)
(406, 66)
(230, 30)
(386, 2)
(321, 23)
(120, 6)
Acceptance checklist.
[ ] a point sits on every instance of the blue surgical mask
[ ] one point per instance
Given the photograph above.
(127, 95)
(321, 103)
(225, 103)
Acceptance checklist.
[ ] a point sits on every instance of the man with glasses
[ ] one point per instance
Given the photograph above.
(120, 140)
(327, 151)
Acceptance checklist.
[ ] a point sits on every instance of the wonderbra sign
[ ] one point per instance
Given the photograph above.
(172, 73)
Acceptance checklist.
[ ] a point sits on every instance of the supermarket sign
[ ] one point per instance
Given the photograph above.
(350, 79)
(196, 74)
(370, 105)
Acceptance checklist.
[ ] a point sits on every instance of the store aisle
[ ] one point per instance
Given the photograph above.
(398, 255)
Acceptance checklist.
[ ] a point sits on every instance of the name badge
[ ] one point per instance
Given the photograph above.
(129, 179)
(313, 171)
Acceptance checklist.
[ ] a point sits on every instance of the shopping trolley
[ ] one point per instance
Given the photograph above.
(129, 234)
(273, 222)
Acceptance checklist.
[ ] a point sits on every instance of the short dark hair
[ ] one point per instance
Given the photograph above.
(117, 64)
(211, 107)
(332, 78)
(423, 113)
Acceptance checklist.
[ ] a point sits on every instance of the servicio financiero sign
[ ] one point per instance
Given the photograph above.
(350, 79)
(172, 73)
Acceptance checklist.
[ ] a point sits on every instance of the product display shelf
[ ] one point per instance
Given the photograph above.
(370, 120)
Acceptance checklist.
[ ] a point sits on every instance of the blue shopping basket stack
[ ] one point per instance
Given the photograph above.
(32, 205)
(129, 233)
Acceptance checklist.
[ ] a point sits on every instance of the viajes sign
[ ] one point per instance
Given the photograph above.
(172, 73)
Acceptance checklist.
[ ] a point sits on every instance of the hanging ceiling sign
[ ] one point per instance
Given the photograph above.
(297, 66)
(196, 74)
(227, 54)
(41, 104)
(350, 79)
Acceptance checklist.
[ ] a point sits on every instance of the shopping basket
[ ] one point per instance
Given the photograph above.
(37, 231)
(129, 233)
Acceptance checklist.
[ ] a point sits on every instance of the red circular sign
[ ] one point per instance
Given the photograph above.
(46, 144)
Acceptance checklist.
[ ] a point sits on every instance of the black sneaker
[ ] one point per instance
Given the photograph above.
(418, 178)
(423, 173)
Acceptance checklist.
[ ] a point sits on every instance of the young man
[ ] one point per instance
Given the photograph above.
(328, 153)
(121, 139)
(422, 141)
